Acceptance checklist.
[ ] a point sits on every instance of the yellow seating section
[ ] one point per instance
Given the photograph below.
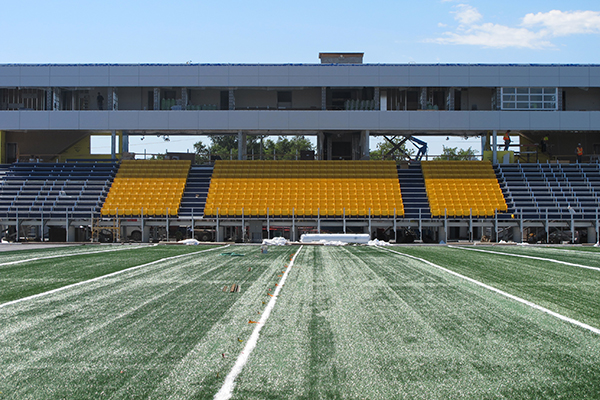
(457, 188)
(148, 187)
(304, 188)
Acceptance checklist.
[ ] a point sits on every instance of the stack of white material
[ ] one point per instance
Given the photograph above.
(278, 241)
(378, 242)
(189, 242)
(328, 238)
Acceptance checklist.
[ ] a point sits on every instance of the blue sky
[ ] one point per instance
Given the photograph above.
(426, 31)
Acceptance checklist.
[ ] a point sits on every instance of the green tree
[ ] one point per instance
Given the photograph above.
(452, 153)
(226, 146)
(383, 148)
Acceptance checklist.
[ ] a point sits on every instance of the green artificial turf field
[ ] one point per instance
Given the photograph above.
(350, 323)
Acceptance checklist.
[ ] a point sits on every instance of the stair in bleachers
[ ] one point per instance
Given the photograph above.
(51, 190)
(414, 194)
(196, 191)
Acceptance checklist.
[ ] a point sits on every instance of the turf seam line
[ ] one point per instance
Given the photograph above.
(226, 390)
(503, 293)
(35, 296)
(64, 255)
(526, 256)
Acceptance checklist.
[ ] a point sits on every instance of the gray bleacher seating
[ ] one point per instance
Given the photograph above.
(51, 190)
(553, 191)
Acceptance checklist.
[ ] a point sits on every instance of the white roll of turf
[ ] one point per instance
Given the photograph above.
(360, 238)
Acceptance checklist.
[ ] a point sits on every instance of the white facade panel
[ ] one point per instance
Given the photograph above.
(574, 81)
(363, 119)
(302, 120)
(454, 81)
(243, 119)
(394, 120)
(34, 80)
(10, 120)
(183, 70)
(516, 120)
(123, 120)
(273, 120)
(93, 120)
(63, 120)
(182, 81)
(213, 119)
(333, 119)
(454, 120)
(484, 120)
(183, 119)
(424, 120)
(10, 70)
(34, 119)
(573, 120)
(153, 120)
(124, 70)
(93, 81)
(243, 80)
(273, 81)
(542, 120)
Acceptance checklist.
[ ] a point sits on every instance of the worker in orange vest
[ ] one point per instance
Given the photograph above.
(506, 140)
(579, 152)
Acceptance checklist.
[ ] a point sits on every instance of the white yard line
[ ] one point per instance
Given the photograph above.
(525, 256)
(503, 293)
(226, 390)
(67, 255)
(35, 296)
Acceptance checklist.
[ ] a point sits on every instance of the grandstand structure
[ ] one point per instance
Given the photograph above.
(50, 178)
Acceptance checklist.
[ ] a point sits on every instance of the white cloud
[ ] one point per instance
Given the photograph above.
(535, 31)
(441, 25)
(495, 36)
(467, 14)
(564, 23)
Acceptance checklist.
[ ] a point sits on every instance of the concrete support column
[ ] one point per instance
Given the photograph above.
(113, 144)
(184, 98)
(70, 233)
(495, 147)
(49, 99)
(591, 235)
(376, 98)
(517, 234)
(364, 145)
(242, 146)
(55, 99)
(157, 98)
(124, 142)
(320, 143)
(113, 103)
(442, 234)
(323, 98)
(146, 234)
(231, 99)
(450, 100)
(423, 99)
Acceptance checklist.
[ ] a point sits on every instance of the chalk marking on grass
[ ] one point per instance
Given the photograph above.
(226, 390)
(66, 255)
(503, 293)
(526, 256)
(35, 296)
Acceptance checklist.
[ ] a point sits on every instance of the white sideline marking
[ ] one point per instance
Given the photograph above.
(525, 256)
(226, 390)
(66, 255)
(102, 277)
(510, 296)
